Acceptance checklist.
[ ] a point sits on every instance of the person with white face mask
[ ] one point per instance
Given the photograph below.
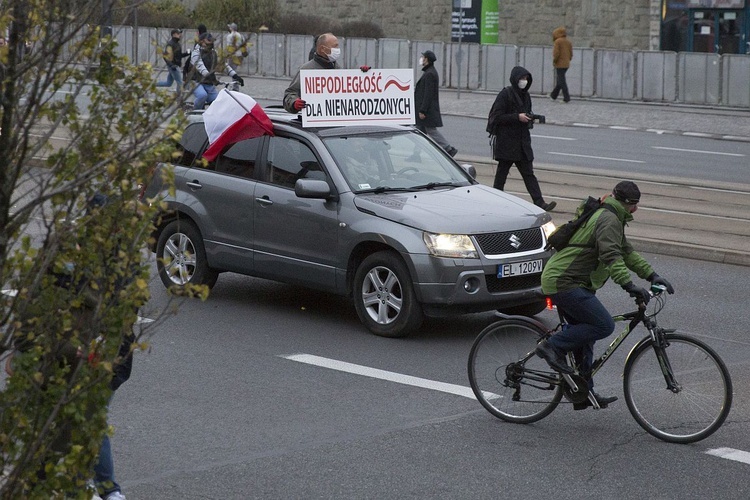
(508, 125)
(327, 54)
(427, 102)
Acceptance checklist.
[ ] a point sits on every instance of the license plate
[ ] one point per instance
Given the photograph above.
(519, 268)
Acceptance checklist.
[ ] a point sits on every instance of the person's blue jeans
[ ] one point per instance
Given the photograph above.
(204, 94)
(104, 470)
(588, 320)
(174, 75)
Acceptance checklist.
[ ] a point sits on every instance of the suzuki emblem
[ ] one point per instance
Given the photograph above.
(515, 241)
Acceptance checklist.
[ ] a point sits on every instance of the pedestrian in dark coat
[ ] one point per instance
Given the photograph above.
(509, 122)
(427, 102)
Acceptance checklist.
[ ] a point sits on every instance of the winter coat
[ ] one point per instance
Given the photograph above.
(173, 53)
(562, 49)
(205, 63)
(427, 98)
(604, 252)
(512, 137)
(292, 93)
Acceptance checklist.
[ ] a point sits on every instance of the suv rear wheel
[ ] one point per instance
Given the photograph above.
(181, 258)
(384, 296)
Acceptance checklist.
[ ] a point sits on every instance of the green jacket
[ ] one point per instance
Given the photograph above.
(607, 254)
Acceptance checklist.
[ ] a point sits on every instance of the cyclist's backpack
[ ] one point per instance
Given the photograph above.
(560, 237)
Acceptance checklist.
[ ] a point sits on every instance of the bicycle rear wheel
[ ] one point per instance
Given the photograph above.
(703, 397)
(507, 378)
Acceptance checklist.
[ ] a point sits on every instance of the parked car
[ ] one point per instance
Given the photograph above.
(378, 213)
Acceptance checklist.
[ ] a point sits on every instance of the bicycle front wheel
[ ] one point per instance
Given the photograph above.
(700, 401)
(507, 378)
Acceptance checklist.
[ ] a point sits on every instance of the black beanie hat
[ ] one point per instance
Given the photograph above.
(627, 192)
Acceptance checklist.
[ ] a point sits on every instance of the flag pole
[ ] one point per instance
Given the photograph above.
(236, 100)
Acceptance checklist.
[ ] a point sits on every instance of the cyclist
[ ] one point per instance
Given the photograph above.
(205, 62)
(597, 251)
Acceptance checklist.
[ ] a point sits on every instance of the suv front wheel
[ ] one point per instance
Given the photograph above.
(181, 258)
(384, 296)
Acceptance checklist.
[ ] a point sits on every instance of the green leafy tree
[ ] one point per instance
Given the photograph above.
(249, 15)
(76, 120)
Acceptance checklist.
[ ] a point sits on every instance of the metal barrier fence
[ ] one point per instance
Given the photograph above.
(680, 77)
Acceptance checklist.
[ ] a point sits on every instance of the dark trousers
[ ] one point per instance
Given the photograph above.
(562, 84)
(526, 168)
(588, 320)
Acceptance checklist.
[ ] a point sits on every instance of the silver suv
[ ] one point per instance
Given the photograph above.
(378, 213)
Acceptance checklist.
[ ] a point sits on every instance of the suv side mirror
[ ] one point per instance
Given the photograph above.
(469, 169)
(312, 188)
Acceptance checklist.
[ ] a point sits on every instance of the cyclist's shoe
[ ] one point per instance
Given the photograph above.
(553, 356)
(603, 401)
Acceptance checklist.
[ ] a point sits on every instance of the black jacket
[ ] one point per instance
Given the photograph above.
(513, 140)
(173, 53)
(427, 98)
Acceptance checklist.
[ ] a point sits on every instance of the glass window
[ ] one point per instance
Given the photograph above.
(289, 160)
(394, 160)
(191, 143)
(240, 158)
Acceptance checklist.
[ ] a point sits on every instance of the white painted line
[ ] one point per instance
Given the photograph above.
(698, 151)
(730, 454)
(657, 131)
(619, 127)
(554, 137)
(697, 134)
(734, 137)
(589, 125)
(595, 157)
(366, 371)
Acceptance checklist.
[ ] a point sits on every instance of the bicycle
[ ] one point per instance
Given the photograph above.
(676, 387)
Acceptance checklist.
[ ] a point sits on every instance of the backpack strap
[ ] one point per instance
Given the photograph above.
(604, 206)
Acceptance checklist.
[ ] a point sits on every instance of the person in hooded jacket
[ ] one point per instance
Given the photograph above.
(597, 251)
(427, 102)
(562, 53)
(508, 124)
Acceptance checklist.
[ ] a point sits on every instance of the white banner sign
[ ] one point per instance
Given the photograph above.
(351, 97)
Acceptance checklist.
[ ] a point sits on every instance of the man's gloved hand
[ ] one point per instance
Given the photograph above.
(365, 68)
(640, 294)
(238, 78)
(655, 279)
(299, 104)
(211, 79)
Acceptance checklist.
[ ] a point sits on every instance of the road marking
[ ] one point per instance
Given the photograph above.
(554, 137)
(620, 127)
(595, 157)
(587, 125)
(366, 371)
(699, 151)
(730, 454)
(697, 134)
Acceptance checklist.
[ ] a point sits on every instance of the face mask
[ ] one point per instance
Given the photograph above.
(421, 61)
(335, 54)
(522, 84)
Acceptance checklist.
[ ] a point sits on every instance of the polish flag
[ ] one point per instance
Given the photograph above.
(231, 118)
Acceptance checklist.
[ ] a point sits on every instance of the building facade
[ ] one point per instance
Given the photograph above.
(714, 26)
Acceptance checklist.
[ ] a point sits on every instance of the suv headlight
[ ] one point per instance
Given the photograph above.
(458, 246)
(548, 229)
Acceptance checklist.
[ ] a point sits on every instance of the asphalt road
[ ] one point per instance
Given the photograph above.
(217, 409)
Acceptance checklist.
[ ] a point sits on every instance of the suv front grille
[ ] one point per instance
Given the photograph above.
(511, 284)
(501, 243)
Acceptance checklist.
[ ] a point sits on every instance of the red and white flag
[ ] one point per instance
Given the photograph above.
(231, 118)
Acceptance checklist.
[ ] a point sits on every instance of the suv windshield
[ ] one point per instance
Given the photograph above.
(395, 161)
